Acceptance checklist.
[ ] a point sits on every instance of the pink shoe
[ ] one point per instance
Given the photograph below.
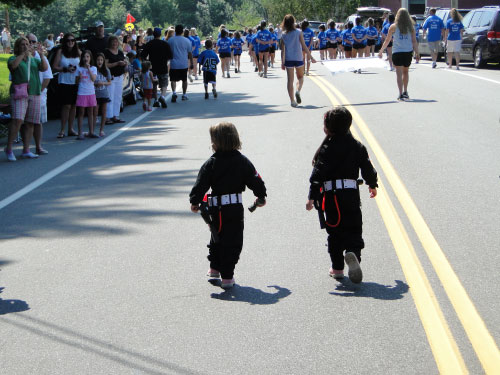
(336, 274)
(150, 109)
(144, 107)
(227, 283)
(213, 273)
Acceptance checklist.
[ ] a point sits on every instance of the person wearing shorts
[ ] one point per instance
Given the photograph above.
(435, 27)
(182, 59)
(291, 57)
(453, 37)
(405, 44)
(208, 61)
(24, 109)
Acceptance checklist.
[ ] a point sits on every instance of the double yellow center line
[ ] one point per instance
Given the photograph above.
(443, 345)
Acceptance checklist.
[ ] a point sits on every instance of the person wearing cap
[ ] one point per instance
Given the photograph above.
(99, 42)
(158, 52)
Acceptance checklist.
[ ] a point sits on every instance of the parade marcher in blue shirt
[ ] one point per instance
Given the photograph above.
(208, 60)
(237, 44)
(254, 48)
(332, 39)
(384, 33)
(264, 40)
(196, 51)
(224, 49)
(273, 47)
(359, 36)
(453, 37)
(435, 25)
(371, 35)
(308, 40)
(347, 40)
(322, 41)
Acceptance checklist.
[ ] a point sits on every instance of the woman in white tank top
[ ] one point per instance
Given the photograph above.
(404, 44)
(66, 63)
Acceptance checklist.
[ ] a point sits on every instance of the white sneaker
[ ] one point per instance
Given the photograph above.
(227, 283)
(190, 78)
(355, 273)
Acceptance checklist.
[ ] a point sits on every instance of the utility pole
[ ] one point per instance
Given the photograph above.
(454, 4)
(404, 4)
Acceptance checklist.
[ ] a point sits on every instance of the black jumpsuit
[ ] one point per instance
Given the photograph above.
(341, 157)
(227, 173)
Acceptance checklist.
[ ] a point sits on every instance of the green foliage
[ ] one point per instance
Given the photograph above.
(31, 4)
(4, 79)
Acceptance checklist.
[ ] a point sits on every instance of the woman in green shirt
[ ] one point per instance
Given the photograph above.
(25, 110)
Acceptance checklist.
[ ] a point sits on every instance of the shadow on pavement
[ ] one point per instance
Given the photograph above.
(371, 290)
(100, 204)
(8, 306)
(253, 296)
(390, 102)
(122, 356)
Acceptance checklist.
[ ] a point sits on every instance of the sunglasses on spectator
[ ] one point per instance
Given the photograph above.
(70, 40)
(33, 41)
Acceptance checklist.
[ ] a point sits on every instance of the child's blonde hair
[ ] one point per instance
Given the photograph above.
(224, 136)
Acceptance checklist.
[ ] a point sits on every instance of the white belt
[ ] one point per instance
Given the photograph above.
(225, 199)
(341, 184)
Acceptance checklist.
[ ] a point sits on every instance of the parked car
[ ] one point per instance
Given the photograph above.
(54, 108)
(314, 26)
(367, 12)
(444, 14)
(481, 40)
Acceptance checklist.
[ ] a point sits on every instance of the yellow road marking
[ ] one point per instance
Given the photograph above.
(479, 336)
(443, 345)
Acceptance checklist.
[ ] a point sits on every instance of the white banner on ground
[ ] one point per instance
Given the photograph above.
(350, 65)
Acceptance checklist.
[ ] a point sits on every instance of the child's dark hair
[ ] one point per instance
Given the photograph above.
(87, 51)
(263, 24)
(103, 69)
(208, 44)
(391, 18)
(331, 24)
(223, 33)
(337, 121)
(370, 22)
(146, 65)
(322, 27)
(237, 35)
(224, 137)
(358, 21)
(304, 25)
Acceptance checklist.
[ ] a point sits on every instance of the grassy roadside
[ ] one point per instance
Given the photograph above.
(4, 79)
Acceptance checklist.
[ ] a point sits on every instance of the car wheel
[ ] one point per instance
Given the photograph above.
(478, 57)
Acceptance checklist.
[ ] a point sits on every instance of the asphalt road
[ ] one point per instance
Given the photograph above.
(102, 265)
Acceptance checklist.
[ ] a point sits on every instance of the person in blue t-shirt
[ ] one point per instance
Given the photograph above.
(359, 37)
(308, 35)
(264, 40)
(435, 25)
(322, 41)
(224, 50)
(332, 39)
(347, 40)
(453, 37)
(208, 60)
(273, 47)
(196, 50)
(371, 37)
(384, 33)
(237, 44)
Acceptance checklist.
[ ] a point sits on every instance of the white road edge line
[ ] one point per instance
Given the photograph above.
(464, 74)
(53, 173)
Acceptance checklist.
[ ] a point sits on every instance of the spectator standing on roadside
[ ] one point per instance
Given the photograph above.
(6, 40)
(45, 78)
(453, 37)
(435, 25)
(66, 62)
(24, 108)
(182, 59)
(115, 61)
(158, 52)
(99, 42)
(149, 35)
(49, 42)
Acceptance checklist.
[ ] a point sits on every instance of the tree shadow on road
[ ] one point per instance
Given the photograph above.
(371, 290)
(253, 296)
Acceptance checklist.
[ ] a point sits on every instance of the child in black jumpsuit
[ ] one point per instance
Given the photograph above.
(227, 172)
(334, 190)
